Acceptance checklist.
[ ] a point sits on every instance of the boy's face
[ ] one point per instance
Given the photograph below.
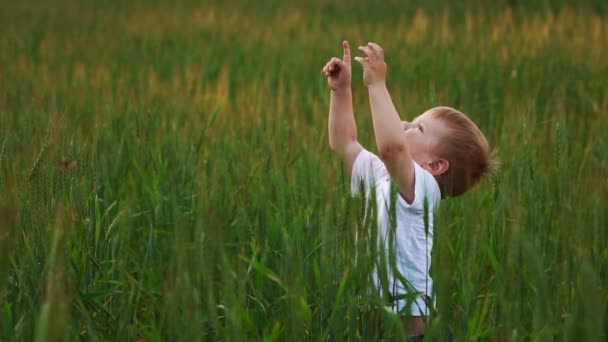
(422, 136)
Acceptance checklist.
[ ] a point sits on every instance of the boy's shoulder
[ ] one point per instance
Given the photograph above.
(426, 189)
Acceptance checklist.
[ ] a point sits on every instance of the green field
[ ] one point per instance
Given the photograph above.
(206, 205)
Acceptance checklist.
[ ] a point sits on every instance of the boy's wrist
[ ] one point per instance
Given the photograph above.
(341, 91)
(377, 85)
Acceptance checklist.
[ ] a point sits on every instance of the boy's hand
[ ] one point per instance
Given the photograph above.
(374, 67)
(338, 71)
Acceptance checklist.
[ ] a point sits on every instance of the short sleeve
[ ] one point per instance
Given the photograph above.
(425, 188)
(368, 170)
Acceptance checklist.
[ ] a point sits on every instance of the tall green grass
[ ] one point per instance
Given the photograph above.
(207, 205)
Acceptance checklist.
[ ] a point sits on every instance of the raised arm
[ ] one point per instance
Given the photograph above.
(388, 128)
(342, 126)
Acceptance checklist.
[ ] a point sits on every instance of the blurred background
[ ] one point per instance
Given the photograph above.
(165, 171)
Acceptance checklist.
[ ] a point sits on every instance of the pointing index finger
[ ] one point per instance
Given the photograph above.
(346, 48)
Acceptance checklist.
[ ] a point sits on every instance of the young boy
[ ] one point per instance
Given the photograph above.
(441, 153)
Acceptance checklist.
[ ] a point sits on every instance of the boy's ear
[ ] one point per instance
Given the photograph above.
(438, 167)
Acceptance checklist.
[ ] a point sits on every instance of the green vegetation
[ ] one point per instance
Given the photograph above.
(205, 203)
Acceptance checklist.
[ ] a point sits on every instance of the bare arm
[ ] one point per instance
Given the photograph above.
(342, 126)
(388, 129)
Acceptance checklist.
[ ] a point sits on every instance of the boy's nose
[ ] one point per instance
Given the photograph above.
(408, 125)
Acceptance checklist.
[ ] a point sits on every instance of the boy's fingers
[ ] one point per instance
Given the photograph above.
(377, 49)
(361, 60)
(368, 51)
(346, 49)
(326, 67)
(337, 63)
(333, 65)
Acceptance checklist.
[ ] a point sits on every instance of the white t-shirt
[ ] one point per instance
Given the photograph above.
(412, 245)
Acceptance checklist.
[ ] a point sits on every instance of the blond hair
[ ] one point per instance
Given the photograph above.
(466, 149)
